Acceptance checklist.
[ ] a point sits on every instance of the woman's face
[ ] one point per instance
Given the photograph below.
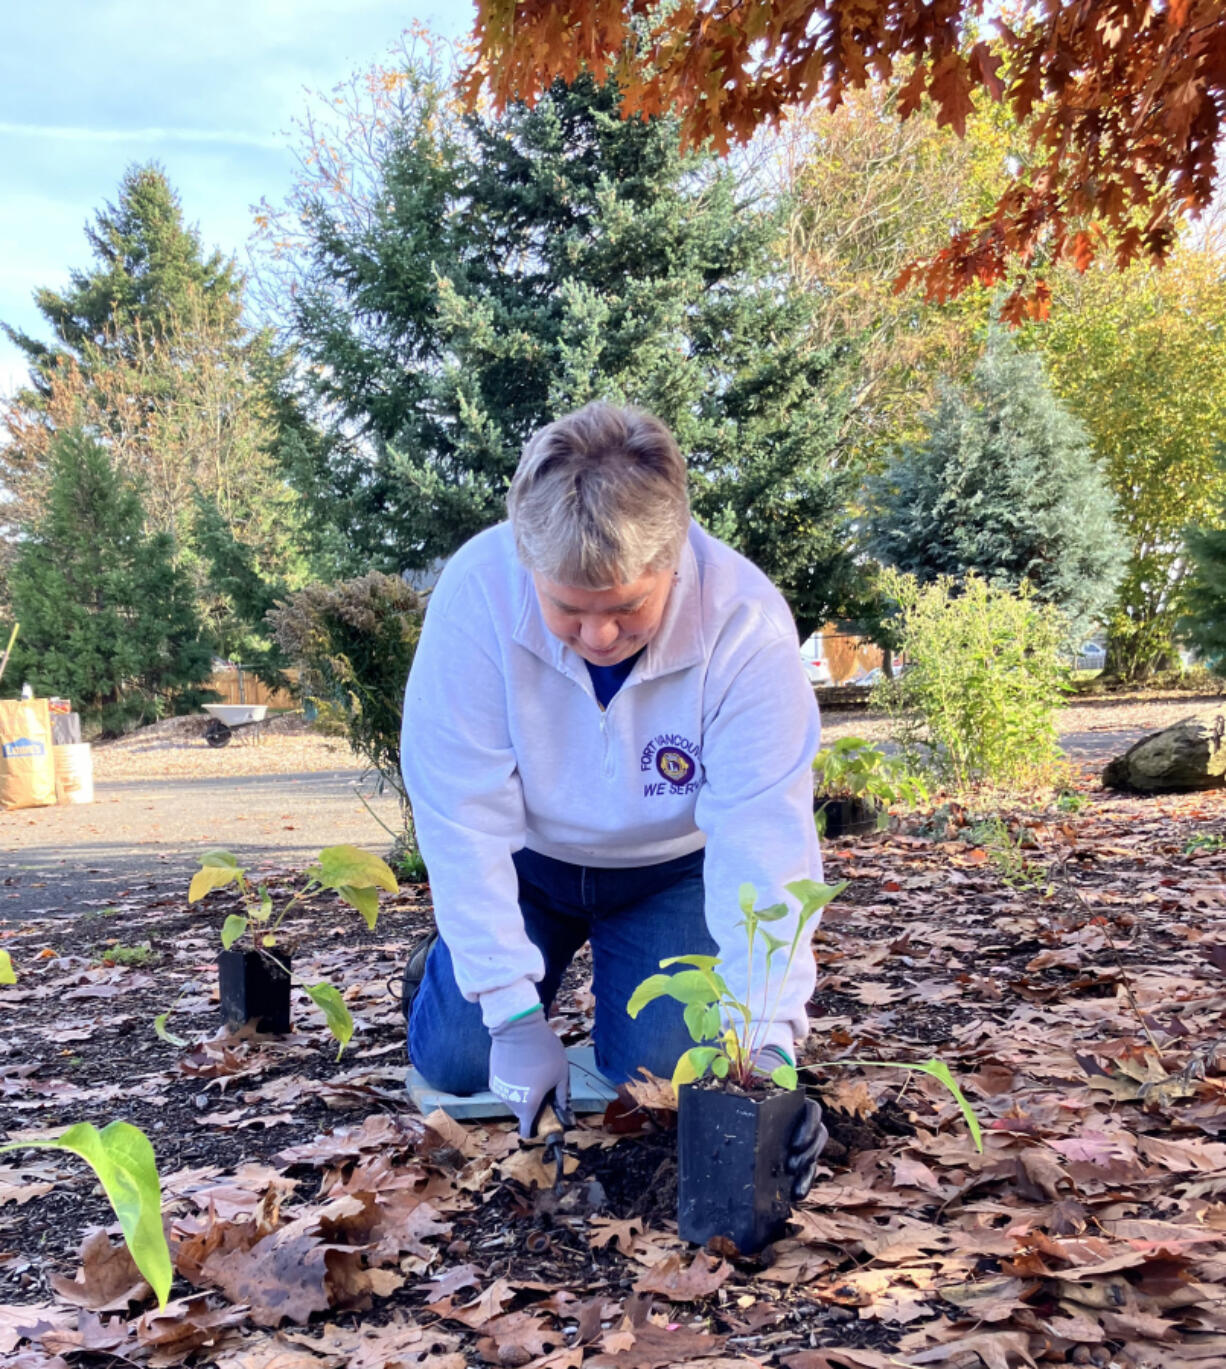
(605, 626)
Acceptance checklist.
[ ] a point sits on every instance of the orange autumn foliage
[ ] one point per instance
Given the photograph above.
(1125, 100)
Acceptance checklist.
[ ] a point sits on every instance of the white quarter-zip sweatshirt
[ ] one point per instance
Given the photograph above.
(710, 741)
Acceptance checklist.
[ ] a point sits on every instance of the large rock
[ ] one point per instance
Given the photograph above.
(1188, 755)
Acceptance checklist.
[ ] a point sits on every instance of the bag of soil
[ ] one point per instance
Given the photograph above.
(27, 767)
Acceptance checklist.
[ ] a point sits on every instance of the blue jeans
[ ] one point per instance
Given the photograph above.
(634, 918)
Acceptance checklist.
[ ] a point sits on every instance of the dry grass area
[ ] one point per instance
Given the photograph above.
(175, 749)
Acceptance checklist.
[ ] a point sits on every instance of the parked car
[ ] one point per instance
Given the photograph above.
(817, 671)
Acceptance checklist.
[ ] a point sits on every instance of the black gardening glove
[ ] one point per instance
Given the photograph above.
(809, 1135)
(807, 1142)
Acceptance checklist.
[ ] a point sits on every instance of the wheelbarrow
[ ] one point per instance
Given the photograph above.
(227, 719)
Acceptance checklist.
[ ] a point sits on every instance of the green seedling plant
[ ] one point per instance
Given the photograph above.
(125, 955)
(935, 1069)
(1007, 854)
(857, 769)
(122, 1158)
(93, 914)
(356, 876)
(714, 1014)
(1204, 841)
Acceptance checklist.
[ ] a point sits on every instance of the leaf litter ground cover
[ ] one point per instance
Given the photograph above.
(1076, 989)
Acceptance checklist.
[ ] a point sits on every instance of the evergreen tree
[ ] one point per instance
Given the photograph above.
(504, 272)
(1204, 622)
(150, 353)
(149, 268)
(106, 618)
(1004, 485)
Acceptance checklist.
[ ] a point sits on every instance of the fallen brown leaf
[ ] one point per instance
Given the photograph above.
(603, 1230)
(108, 1280)
(655, 1347)
(186, 1326)
(684, 1283)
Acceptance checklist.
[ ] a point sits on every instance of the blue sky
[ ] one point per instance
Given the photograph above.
(210, 91)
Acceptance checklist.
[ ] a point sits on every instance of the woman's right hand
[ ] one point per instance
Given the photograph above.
(528, 1068)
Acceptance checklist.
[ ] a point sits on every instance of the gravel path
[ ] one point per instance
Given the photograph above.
(163, 796)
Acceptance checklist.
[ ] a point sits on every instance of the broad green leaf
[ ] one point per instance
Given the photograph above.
(773, 913)
(8, 975)
(690, 986)
(350, 865)
(329, 1001)
(720, 1066)
(231, 929)
(694, 1064)
(219, 859)
(714, 1022)
(686, 986)
(940, 1071)
(785, 1076)
(773, 943)
(700, 962)
(811, 895)
(122, 1158)
(365, 900)
(210, 877)
(159, 1026)
(695, 1016)
(706, 966)
(653, 987)
(747, 896)
(264, 911)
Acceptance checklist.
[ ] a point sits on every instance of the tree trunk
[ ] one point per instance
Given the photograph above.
(1186, 756)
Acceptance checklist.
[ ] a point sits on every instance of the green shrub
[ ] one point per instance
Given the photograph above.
(977, 699)
(353, 644)
(857, 769)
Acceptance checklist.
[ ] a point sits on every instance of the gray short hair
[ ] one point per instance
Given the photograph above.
(600, 498)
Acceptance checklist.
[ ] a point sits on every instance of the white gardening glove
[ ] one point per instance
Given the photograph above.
(528, 1068)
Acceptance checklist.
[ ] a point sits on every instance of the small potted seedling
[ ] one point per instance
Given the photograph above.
(254, 980)
(738, 1103)
(856, 785)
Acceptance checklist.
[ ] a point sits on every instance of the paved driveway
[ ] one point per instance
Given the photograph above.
(146, 834)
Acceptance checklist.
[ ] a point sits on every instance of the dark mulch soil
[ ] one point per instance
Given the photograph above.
(926, 949)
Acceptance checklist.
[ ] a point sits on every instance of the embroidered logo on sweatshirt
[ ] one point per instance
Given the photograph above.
(674, 765)
(675, 759)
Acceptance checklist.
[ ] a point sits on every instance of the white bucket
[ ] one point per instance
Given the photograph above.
(74, 773)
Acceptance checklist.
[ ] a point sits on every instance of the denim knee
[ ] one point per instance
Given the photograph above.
(450, 1060)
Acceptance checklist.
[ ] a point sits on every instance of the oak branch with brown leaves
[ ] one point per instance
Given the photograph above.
(1124, 100)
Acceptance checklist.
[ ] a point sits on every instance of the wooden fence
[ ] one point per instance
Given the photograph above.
(239, 686)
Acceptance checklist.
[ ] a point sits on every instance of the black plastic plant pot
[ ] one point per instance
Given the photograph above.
(847, 817)
(254, 988)
(731, 1156)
